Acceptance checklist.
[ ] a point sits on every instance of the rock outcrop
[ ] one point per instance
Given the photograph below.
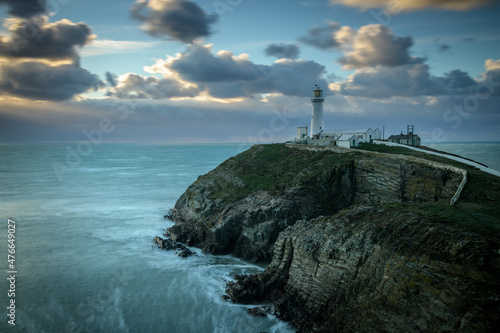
(169, 244)
(243, 205)
(379, 269)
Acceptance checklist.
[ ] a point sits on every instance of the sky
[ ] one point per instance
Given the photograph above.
(217, 71)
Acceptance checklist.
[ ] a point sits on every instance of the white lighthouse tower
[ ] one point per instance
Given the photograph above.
(317, 113)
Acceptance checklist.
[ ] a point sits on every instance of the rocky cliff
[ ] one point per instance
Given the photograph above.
(356, 242)
(242, 205)
(385, 268)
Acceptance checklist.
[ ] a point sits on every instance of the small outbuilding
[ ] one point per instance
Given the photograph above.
(405, 139)
(347, 141)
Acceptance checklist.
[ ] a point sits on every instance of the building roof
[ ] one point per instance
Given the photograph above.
(347, 137)
(347, 131)
(402, 136)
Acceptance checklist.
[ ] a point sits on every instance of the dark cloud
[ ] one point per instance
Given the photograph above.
(322, 37)
(457, 79)
(290, 51)
(225, 75)
(36, 38)
(469, 39)
(36, 80)
(374, 45)
(25, 8)
(293, 78)
(182, 20)
(137, 86)
(443, 47)
(199, 65)
(405, 81)
(111, 79)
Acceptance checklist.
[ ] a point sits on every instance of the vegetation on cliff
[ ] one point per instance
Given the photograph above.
(273, 168)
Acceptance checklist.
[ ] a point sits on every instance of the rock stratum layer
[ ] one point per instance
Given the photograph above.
(355, 241)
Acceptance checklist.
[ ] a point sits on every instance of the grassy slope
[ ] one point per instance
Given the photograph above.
(274, 168)
(478, 208)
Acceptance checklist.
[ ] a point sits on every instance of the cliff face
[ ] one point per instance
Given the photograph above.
(379, 269)
(242, 206)
(356, 242)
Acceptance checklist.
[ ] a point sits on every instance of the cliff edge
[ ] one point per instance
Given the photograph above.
(354, 241)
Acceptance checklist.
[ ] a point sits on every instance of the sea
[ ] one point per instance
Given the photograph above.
(82, 254)
(78, 222)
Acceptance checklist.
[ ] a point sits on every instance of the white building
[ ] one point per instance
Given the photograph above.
(347, 141)
(341, 138)
(364, 135)
(317, 100)
(302, 132)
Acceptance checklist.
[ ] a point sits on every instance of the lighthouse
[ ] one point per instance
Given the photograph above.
(317, 113)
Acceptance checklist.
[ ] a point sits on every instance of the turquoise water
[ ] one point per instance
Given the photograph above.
(84, 230)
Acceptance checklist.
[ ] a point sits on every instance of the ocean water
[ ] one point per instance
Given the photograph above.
(487, 153)
(84, 259)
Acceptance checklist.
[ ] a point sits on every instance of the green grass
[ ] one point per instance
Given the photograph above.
(275, 168)
(456, 215)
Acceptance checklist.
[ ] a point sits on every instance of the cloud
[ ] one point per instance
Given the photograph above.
(39, 60)
(469, 39)
(322, 37)
(491, 77)
(290, 51)
(199, 65)
(106, 46)
(181, 20)
(36, 80)
(409, 80)
(37, 38)
(491, 64)
(441, 47)
(457, 79)
(26, 8)
(111, 79)
(410, 5)
(370, 45)
(198, 72)
(225, 75)
(374, 45)
(132, 85)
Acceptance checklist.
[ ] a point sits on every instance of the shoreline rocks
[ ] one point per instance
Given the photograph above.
(181, 250)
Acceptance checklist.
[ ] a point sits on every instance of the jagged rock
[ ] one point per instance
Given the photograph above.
(169, 244)
(257, 312)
